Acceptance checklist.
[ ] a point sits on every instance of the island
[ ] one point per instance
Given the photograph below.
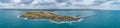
(48, 15)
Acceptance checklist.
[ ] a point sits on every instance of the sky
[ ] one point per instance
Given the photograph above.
(60, 4)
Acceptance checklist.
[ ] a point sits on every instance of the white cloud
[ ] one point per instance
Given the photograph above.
(68, 4)
(16, 1)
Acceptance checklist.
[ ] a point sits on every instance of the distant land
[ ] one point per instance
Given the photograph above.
(51, 9)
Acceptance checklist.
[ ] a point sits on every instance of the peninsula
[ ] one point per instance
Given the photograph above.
(48, 15)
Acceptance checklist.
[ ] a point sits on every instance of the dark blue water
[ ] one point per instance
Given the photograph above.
(104, 19)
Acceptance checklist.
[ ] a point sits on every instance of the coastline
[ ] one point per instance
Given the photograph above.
(65, 21)
(55, 21)
(18, 16)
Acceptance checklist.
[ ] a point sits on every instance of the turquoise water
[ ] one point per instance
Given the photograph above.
(104, 19)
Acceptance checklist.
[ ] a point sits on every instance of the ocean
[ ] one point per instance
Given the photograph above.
(103, 19)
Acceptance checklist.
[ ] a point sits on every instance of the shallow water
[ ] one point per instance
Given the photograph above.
(104, 19)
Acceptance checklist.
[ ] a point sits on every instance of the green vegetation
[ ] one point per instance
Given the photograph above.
(47, 15)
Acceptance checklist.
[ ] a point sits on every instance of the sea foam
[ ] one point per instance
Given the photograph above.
(65, 21)
(18, 16)
(54, 21)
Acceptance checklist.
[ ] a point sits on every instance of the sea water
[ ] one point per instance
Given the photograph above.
(103, 19)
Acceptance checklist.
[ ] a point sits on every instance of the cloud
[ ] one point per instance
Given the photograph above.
(60, 4)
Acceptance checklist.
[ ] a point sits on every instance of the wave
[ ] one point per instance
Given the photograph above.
(66, 21)
(18, 16)
(53, 21)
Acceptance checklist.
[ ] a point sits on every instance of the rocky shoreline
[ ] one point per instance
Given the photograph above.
(48, 15)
